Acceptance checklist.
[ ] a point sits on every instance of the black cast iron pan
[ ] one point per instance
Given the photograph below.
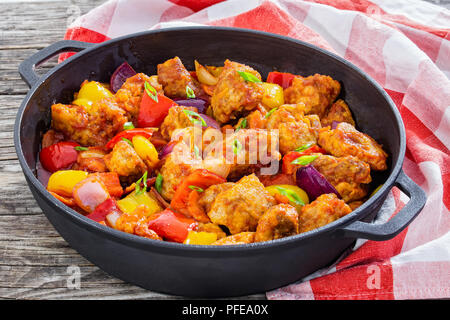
(212, 271)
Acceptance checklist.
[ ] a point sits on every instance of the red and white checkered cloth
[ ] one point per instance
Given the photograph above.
(402, 44)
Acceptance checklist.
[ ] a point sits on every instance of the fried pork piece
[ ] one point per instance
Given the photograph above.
(51, 137)
(209, 195)
(339, 112)
(346, 140)
(348, 175)
(175, 78)
(295, 129)
(317, 92)
(240, 238)
(176, 119)
(124, 160)
(90, 127)
(129, 96)
(325, 209)
(278, 222)
(240, 207)
(233, 95)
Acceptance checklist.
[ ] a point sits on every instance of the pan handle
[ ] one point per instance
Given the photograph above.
(27, 67)
(388, 230)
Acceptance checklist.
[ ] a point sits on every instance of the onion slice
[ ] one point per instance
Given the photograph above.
(120, 75)
(210, 122)
(198, 103)
(313, 182)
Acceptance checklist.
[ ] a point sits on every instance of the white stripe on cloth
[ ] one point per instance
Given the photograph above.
(231, 8)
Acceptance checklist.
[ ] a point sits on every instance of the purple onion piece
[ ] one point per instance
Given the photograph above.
(334, 124)
(210, 122)
(313, 182)
(198, 103)
(168, 148)
(120, 75)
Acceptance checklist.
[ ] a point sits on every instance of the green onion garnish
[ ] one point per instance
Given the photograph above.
(237, 146)
(127, 141)
(196, 151)
(247, 76)
(152, 93)
(195, 188)
(143, 179)
(291, 195)
(268, 114)
(80, 148)
(128, 125)
(158, 182)
(191, 114)
(304, 160)
(304, 147)
(190, 93)
(242, 125)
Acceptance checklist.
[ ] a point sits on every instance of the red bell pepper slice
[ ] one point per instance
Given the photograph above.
(283, 79)
(59, 156)
(171, 226)
(102, 210)
(288, 167)
(129, 134)
(151, 112)
(199, 179)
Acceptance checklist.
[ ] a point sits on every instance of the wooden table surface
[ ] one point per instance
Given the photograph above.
(34, 259)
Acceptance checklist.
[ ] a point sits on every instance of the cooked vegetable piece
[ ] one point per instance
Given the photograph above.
(294, 195)
(146, 150)
(89, 193)
(91, 92)
(289, 167)
(152, 113)
(133, 200)
(62, 182)
(120, 75)
(171, 226)
(203, 75)
(129, 134)
(200, 238)
(107, 207)
(58, 156)
(282, 79)
(273, 95)
(313, 182)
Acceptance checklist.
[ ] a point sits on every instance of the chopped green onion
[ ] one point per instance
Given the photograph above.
(191, 114)
(237, 146)
(242, 125)
(268, 114)
(190, 93)
(291, 195)
(247, 76)
(127, 141)
(158, 182)
(80, 148)
(304, 147)
(128, 125)
(143, 179)
(196, 151)
(152, 93)
(304, 160)
(195, 188)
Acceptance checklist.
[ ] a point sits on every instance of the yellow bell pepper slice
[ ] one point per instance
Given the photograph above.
(62, 182)
(83, 102)
(200, 238)
(146, 150)
(273, 95)
(297, 196)
(133, 200)
(92, 91)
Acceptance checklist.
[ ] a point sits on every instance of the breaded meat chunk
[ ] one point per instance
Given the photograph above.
(240, 207)
(317, 92)
(346, 140)
(295, 129)
(278, 222)
(90, 127)
(348, 175)
(174, 78)
(177, 118)
(322, 211)
(339, 112)
(208, 197)
(124, 160)
(240, 238)
(234, 95)
(129, 96)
